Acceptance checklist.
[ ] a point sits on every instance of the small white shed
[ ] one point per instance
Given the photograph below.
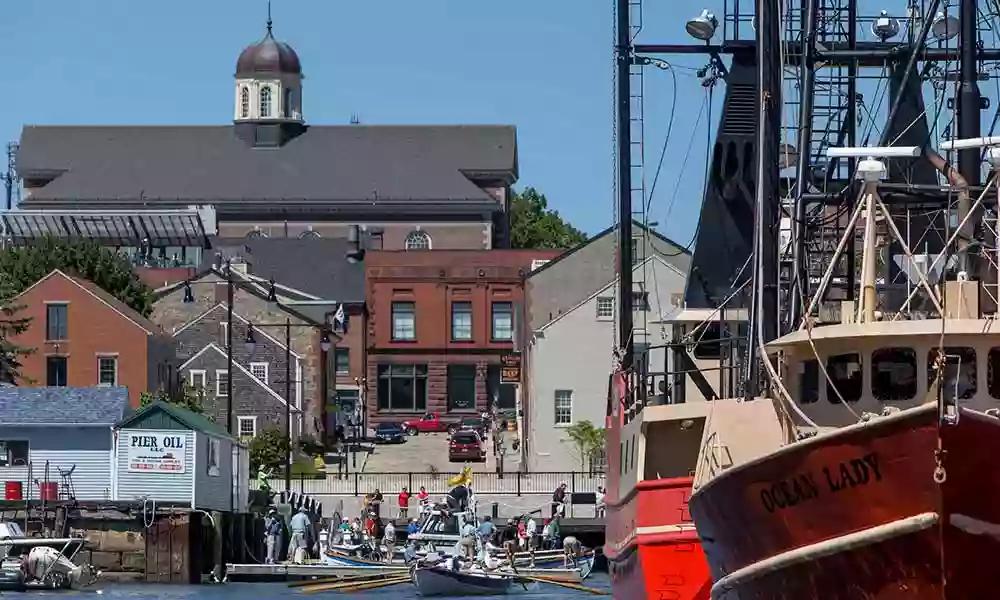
(170, 455)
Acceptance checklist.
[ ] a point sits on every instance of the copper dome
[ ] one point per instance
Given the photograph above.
(268, 56)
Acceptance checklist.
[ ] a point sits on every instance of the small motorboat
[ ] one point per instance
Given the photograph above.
(40, 563)
(447, 581)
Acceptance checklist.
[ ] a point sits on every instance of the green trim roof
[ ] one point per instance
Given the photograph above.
(185, 417)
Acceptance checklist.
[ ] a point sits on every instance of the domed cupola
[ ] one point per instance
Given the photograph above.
(268, 82)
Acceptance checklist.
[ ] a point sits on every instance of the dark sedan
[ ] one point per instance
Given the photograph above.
(476, 424)
(389, 433)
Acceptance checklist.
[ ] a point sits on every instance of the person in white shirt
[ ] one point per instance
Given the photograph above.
(468, 541)
(599, 502)
(389, 539)
(531, 530)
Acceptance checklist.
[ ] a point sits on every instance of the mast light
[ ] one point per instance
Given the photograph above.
(885, 27)
(703, 26)
(944, 27)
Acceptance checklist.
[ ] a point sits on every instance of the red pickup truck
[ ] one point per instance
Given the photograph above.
(430, 423)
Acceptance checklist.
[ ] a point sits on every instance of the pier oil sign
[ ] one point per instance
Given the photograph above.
(154, 451)
(807, 486)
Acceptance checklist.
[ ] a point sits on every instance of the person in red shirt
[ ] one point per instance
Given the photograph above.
(404, 503)
(370, 525)
(423, 498)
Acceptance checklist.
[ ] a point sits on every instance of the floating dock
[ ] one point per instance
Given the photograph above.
(292, 572)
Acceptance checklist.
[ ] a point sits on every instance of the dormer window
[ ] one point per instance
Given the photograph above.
(265, 101)
(244, 103)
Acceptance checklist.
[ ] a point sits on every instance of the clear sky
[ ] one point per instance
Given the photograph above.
(542, 65)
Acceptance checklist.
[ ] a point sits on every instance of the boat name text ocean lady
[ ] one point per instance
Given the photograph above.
(803, 487)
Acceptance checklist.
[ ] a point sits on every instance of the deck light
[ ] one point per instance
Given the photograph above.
(885, 27)
(703, 26)
(324, 341)
(251, 343)
(944, 27)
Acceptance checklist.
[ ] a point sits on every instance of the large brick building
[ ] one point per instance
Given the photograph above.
(161, 192)
(438, 324)
(82, 336)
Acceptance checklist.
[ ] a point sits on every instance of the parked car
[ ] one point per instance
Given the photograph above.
(476, 424)
(466, 445)
(430, 423)
(389, 433)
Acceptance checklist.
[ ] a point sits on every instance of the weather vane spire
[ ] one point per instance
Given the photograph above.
(269, 23)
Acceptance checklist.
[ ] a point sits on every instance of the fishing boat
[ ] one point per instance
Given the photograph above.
(444, 581)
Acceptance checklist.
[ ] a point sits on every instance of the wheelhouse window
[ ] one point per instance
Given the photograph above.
(462, 388)
(13, 453)
(993, 373)
(809, 381)
(402, 388)
(845, 377)
(959, 378)
(894, 374)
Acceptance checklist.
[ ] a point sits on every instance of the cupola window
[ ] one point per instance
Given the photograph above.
(288, 103)
(244, 103)
(265, 101)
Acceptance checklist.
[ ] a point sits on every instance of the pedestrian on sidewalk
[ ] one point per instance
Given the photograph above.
(404, 503)
(558, 498)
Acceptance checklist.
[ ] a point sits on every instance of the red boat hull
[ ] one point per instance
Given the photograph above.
(859, 515)
(653, 549)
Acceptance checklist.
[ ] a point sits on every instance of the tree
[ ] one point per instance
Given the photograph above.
(11, 325)
(269, 451)
(588, 439)
(534, 226)
(109, 269)
(187, 397)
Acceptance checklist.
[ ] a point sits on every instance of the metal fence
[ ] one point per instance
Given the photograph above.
(507, 484)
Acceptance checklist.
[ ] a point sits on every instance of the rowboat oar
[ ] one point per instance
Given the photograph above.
(342, 579)
(373, 586)
(566, 584)
(351, 586)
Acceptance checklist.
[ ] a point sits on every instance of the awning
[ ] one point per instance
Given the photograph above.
(158, 228)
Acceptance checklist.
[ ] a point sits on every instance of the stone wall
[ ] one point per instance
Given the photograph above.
(119, 555)
(172, 313)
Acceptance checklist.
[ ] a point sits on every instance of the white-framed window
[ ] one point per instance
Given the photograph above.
(461, 321)
(224, 334)
(247, 426)
(107, 370)
(221, 382)
(404, 321)
(503, 322)
(260, 371)
(265, 101)
(196, 377)
(564, 407)
(605, 308)
(244, 102)
(418, 240)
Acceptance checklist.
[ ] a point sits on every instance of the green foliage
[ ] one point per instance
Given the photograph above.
(309, 446)
(269, 451)
(188, 397)
(534, 226)
(588, 440)
(11, 325)
(86, 258)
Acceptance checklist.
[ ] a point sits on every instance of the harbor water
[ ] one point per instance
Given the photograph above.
(241, 591)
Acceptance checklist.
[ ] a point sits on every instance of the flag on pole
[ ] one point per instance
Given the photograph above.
(340, 318)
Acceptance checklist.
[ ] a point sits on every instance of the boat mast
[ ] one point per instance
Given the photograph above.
(623, 58)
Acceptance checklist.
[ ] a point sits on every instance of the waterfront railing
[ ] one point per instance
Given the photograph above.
(499, 484)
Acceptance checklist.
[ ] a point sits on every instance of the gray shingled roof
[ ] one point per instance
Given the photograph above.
(210, 163)
(316, 266)
(62, 405)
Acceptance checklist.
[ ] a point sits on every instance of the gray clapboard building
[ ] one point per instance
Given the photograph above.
(60, 436)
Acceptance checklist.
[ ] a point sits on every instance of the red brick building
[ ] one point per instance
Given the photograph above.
(438, 324)
(83, 336)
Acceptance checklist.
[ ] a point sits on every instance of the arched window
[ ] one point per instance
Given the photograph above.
(265, 101)
(418, 240)
(288, 102)
(309, 235)
(244, 103)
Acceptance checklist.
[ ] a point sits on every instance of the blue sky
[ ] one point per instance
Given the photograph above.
(542, 65)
